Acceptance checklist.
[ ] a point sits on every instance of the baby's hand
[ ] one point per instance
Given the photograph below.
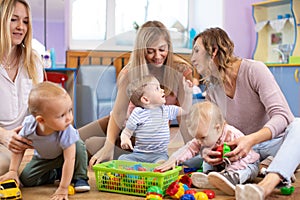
(126, 142)
(187, 85)
(10, 175)
(60, 194)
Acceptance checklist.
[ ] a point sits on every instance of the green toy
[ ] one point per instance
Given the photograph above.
(287, 190)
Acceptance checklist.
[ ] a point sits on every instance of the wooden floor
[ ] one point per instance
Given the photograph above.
(44, 192)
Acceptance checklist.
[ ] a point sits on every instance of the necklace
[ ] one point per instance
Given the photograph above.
(7, 66)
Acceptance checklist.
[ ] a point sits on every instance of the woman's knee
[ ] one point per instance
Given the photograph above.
(95, 128)
(94, 144)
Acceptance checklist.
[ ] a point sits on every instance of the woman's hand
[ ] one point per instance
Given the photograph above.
(240, 148)
(15, 142)
(211, 157)
(106, 153)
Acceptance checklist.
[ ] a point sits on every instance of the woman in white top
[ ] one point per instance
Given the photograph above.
(20, 69)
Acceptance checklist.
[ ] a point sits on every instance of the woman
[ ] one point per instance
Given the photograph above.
(152, 54)
(252, 101)
(20, 69)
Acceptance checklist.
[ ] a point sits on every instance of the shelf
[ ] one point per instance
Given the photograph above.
(274, 33)
(271, 3)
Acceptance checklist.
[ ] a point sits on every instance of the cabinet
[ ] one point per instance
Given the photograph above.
(277, 23)
(287, 77)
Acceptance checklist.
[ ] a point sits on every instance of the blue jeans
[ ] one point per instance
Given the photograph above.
(144, 157)
(287, 157)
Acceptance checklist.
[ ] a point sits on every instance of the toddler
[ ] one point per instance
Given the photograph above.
(58, 151)
(149, 120)
(209, 129)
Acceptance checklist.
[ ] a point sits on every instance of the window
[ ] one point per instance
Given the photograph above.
(94, 21)
(165, 11)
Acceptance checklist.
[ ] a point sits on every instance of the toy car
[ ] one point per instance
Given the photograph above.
(10, 190)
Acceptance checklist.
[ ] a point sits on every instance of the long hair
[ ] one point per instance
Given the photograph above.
(216, 38)
(149, 33)
(24, 51)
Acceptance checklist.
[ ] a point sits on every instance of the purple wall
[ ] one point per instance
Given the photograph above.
(55, 37)
(239, 24)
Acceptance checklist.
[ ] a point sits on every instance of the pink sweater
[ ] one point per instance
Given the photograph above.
(229, 133)
(258, 101)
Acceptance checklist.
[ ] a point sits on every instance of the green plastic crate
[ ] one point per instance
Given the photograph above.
(132, 178)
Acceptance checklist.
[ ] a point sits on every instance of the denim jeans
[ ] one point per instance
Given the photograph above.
(288, 157)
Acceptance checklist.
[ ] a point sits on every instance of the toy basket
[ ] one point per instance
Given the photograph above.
(132, 178)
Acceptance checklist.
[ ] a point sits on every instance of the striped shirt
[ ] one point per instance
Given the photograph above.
(151, 128)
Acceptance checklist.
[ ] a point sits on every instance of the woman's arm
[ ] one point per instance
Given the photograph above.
(115, 123)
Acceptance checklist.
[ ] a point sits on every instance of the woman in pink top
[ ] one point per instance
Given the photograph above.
(252, 101)
(152, 54)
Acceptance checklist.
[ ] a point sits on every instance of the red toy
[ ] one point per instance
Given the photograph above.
(223, 149)
(185, 179)
(175, 190)
(210, 194)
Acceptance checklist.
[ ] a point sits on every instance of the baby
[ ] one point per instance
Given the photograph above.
(210, 130)
(58, 150)
(149, 120)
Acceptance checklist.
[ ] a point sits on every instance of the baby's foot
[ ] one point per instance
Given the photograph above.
(200, 180)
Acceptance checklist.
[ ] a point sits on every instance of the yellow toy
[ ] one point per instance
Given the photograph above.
(10, 190)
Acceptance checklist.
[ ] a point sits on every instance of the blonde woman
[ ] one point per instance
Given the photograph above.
(152, 54)
(20, 69)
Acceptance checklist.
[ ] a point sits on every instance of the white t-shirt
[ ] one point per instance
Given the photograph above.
(14, 97)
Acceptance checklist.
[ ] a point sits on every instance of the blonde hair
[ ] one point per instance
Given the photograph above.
(217, 39)
(149, 33)
(205, 111)
(41, 94)
(27, 56)
(136, 90)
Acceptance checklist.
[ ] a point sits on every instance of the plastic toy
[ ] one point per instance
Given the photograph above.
(188, 197)
(210, 194)
(185, 179)
(288, 190)
(201, 196)
(154, 193)
(10, 190)
(188, 170)
(190, 191)
(71, 190)
(175, 190)
(223, 149)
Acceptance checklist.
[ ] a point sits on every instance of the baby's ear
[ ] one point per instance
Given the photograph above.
(39, 119)
(218, 127)
(145, 100)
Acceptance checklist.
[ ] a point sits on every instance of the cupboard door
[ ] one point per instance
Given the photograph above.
(288, 79)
